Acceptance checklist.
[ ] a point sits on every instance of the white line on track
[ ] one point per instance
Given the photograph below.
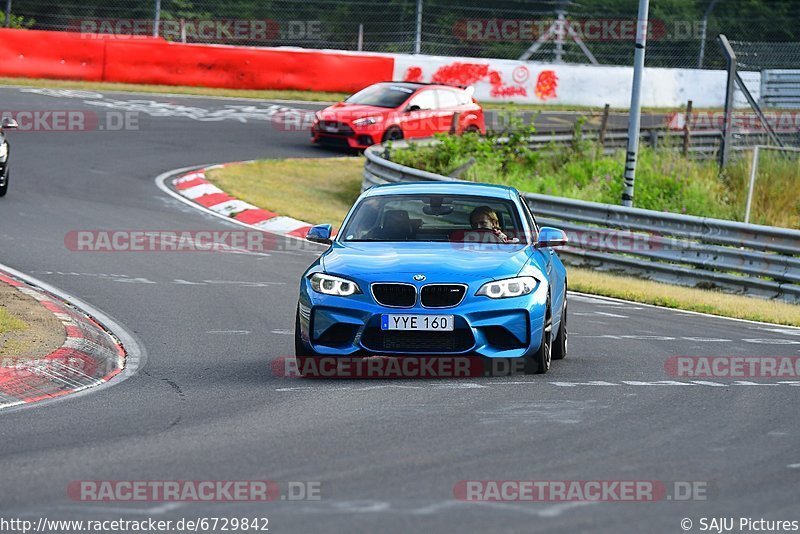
(598, 298)
(136, 355)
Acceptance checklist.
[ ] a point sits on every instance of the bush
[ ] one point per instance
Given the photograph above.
(665, 180)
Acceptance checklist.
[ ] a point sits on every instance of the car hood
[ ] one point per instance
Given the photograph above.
(434, 260)
(345, 112)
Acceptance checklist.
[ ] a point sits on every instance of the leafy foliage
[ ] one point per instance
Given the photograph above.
(665, 180)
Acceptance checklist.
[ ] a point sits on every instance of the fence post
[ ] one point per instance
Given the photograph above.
(156, 18)
(687, 129)
(8, 13)
(418, 37)
(635, 119)
(727, 126)
(360, 37)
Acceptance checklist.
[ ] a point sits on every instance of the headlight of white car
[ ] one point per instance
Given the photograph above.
(333, 285)
(3, 150)
(366, 121)
(510, 287)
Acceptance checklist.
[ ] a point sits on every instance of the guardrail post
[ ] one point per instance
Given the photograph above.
(8, 13)
(604, 125)
(653, 134)
(454, 124)
(687, 129)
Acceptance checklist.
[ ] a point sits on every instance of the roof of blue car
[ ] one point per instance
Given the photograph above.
(443, 188)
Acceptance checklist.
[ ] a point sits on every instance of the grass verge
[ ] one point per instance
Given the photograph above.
(683, 298)
(315, 190)
(28, 330)
(322, 190)
(9, 322)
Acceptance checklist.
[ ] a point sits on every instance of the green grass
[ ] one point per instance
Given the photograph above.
(9, 323)
(683, 298)
(322, 191)
(665, 180)
(318, 190)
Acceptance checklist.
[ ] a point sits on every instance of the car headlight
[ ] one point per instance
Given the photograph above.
(510, 287)
(3, 150)
(366, 121)
(333, 285)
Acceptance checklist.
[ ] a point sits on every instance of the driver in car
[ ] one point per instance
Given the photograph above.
(485, 218)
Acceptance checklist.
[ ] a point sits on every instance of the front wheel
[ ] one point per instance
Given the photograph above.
(4, 186)
(472, 129)
(560, 344)
(392, 133)
(306, 358)
(539, 362)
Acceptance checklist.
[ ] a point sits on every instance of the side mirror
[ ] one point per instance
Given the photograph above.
(320, 234)
(551, 237)
(413, 107)
(9, 124)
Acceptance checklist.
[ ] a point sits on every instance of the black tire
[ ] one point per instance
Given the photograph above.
(472, 129)
(4, 187)
(560, 344)
(392, 133)
(302, 353)
(539, 362)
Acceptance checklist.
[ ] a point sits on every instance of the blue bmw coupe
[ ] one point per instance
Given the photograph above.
(436, 269)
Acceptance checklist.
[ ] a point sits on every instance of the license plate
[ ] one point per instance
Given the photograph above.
(440, 323)
(331, 129)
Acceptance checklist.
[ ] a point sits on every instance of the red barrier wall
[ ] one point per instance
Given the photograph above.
(42, 54)
(242, 67)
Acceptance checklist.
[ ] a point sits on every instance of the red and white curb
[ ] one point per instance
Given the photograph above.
(195, 187)
(89, 357)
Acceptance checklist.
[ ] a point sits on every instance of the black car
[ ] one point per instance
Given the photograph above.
(7, 124)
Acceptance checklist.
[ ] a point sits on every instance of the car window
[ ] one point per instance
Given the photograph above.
(531, 218)
(383, 95)
(426, 217)
(424, 99)
(463, 98)
(447, 99)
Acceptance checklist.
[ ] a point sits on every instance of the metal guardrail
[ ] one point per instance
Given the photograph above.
(780, 89)
(680, 249)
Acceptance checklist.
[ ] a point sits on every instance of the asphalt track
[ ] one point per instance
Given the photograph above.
(205, 404)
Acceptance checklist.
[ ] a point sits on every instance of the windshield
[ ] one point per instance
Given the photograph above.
(448, 218)
(382, 95)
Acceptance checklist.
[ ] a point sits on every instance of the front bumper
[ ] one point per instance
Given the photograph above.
(492, 328)
(346, 136)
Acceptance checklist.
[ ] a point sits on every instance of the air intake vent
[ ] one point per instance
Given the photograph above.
(395, 295)
(442, 295)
